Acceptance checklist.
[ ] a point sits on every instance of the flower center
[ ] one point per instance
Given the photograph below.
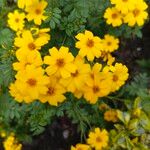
(32, 82)
(90, 43)
(51, 90)
(125, 0)
(109, 43)
(75, 74)
(79, 148)
(17, 20)
(31, 46)
(98, 139)
(95, 89)
(136, 12)
(115, 78)
(38, 11)
(60, 62)
(114, 15)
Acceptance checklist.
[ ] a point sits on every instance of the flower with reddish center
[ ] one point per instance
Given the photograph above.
(89, 45)
(60, 62)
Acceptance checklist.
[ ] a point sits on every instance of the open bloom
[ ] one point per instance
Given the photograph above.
(137, 15)
(60, 62)
(36, 11)
(89, 45)
(113, 16)
(16, 20)
(98, 139)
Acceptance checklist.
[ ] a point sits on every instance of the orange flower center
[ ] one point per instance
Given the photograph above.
(79, 148)
(136, 12)
(115, 78)
(109, 43)
(90, 43)
(32, 82)
(38, 11)
(98, 139)
(95, 89)
(51, 91)
(125, 0)
(60, 62)
(17, 20)
(31, 46)
(75, 74)
(114, 15)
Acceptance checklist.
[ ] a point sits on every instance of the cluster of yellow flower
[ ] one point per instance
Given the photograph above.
(11, 143)
(62, 71)
(132, 12)
(34, 11)
(98, 139)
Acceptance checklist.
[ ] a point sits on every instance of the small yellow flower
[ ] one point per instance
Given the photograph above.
(36, 11)
(103, 106)
(77, 80)
(113, 16)
(110, 43)
(123, 5)
(89, 45)
(60, 62)
(80, 147)
(26, 42)
(98, 139)
(30, 58)
(16, 20)
(55, 92)
(30, 83)
(11, 143)
(119, 76)
(138, 15)
(111, 115)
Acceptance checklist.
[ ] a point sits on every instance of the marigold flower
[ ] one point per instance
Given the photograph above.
(30, 83)
(111, 115)
(16, 20)
(113, 16)
(77, 80)
(110, 43)
(137, 15)
(54, 94)
(89, 45)
(119, 76)
(30, 58)
(98, 139)
(80, 147)
(60, 62)
(123, 5)
(36, 11)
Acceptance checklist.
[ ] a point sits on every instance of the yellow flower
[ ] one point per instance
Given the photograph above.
(98, 139)
(119, 76)
(89, 45)
(106, 56)
(30, 58)
(16, 20)
(111, 115)
(54, 94)
(32, 82)
(77, 80)
(11, 143)
(99, 86)
(42, 34)
(103, 106)
(113, 16)
(137, 15)
(80, 147)
(60, 62)
(123, 5)
(36, 11)
(26, 42)
(23, 3)
(110, 43)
